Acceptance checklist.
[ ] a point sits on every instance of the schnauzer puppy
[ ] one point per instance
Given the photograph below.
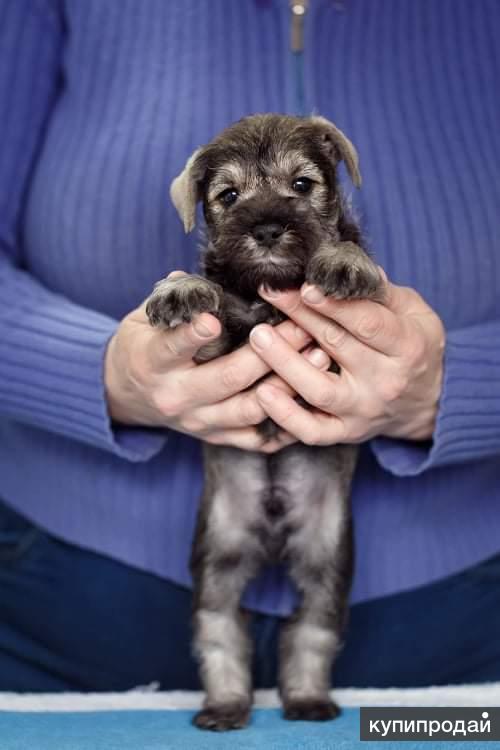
(275, 215)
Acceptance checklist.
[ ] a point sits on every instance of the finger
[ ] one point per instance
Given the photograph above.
(311, 428)
(244, 409)
(347, 351)
(281, 440)
(326, 391)
(182, 343)
(249, 439)
(369, 322)
(315, 356)
(232, 373)
(402, 300)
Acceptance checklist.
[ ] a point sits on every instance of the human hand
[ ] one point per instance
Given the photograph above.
(391, 359)
(151, 379)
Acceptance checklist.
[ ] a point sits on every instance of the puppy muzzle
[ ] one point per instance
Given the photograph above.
(267, 242)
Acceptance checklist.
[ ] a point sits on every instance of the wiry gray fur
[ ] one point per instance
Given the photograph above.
(292, 506)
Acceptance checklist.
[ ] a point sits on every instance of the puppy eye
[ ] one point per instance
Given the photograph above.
(302, 185)
(228, 197)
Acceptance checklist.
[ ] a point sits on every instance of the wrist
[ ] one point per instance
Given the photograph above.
(419, 423)
(113, 387)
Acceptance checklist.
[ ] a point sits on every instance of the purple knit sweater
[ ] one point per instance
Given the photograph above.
(100, 105)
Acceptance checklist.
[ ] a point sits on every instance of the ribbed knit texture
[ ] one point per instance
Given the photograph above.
(100, 105)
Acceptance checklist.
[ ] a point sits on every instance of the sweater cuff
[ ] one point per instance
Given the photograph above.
(52, 370)
(468, 420)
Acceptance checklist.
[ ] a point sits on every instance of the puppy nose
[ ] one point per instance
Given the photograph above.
(267, 234)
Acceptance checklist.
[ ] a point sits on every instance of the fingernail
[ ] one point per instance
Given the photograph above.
(201, 329)
(266, 291)
(312, 294)
(318, 358)
(261, 337)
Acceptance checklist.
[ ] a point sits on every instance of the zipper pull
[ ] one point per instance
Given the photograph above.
(298, 9)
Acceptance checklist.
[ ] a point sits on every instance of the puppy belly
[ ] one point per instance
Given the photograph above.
(269, 508)
(306, 510)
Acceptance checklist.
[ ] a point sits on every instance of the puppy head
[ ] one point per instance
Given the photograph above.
(270, 195)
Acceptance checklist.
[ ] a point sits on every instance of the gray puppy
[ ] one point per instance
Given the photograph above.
(275, 215)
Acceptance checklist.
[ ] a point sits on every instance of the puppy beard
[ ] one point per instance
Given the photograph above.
(238, 262)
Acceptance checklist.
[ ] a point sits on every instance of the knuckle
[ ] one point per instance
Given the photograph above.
(287, 415)
(251, 412)
(311, 435)
(393, 387)
(370, 326)
(334, 335)
(370, 412)
(369, 408)
(291, 303)
(193, 424)
(181, 340)
(295, 335)
(323, 399)
(169, 406)
(233, 379)
(416, 351)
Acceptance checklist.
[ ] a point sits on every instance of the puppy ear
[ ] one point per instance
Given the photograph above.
(340, 147)
(185, 192)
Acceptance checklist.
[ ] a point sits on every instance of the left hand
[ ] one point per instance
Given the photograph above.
(391, 360)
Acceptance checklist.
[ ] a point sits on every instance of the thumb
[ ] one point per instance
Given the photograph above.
(182, 342)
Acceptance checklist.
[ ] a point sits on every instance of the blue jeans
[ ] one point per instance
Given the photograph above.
(74, 620)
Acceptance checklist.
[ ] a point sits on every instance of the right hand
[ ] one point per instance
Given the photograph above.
(151, 380)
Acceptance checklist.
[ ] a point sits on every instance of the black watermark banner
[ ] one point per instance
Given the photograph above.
(430, 724)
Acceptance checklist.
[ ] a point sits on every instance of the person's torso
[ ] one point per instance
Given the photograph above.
(415, 87)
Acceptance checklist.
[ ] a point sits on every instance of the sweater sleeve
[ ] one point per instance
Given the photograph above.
(468, 420)
(51, 350)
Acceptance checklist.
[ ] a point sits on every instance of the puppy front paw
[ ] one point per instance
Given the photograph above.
(310, 709)
(345, 274)
(223, 717)
(179, 300)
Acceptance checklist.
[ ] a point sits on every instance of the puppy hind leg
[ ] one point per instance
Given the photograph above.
(312, 637)
(308, 644)
(223, 647)
(319, 551)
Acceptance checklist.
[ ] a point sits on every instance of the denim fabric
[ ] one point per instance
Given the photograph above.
(71, 619)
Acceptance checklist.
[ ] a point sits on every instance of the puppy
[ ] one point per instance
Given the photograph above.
(274, 215)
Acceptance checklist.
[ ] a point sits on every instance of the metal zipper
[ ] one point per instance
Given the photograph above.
(298, 10)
